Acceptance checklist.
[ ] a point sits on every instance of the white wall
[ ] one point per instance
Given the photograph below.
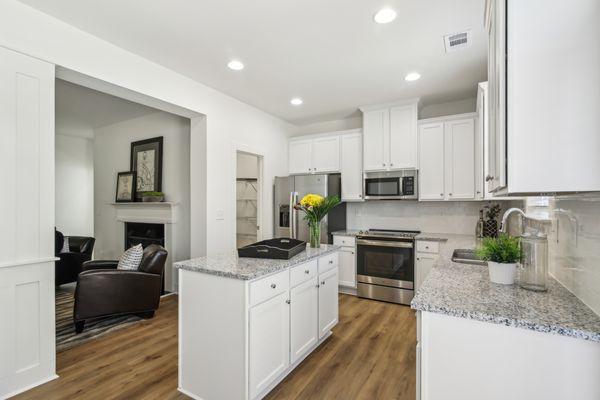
(112, 149)
(74, 191)
(434, 217)
(448, 108)
(331, 126)
(229, 122)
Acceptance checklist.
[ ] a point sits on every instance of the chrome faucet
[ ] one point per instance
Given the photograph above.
(507, 214)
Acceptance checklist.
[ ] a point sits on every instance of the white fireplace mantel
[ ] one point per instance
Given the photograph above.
(151, 213)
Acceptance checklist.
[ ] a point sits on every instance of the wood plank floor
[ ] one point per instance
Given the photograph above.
(371, 355)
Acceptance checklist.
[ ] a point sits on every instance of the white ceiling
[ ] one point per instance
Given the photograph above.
(80, 111)
(330, 53)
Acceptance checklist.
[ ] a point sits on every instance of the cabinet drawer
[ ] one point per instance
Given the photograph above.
(428, 247)
(303, 272)
(328, 262)
(345, 241)
(265, 288)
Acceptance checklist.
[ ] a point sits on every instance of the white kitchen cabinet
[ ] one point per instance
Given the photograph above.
(460, 159)
(314, 155)
(431, 161)
(351, 167)
(326, 154)
(447, 158)
(544, 119)
(304, 330)
(423, 265)
(328, 301)
(390, 136)
(403, 136)
(481, 131)
(300, 156)
(269, 342)
(347, 268)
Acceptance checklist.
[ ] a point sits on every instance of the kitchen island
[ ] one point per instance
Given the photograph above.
(245, 323)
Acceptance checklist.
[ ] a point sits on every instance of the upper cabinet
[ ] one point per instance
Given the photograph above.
(352, 176)
(390, 136)
(314, 155)
(543, 112)
(447, 162)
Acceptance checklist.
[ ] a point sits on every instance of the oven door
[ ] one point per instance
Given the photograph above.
(385, 262)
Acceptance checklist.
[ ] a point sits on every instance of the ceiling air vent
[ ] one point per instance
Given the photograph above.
(457, 41)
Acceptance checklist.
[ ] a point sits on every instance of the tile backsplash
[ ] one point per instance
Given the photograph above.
(574, 245)
(435, 217)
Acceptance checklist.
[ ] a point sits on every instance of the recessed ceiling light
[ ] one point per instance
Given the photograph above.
(235, 65)
(296, 101)
(413, 76)
(384, 16)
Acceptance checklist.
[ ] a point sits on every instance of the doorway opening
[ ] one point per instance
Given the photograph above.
(248, 198)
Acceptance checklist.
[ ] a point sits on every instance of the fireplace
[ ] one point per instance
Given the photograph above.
(144, 234)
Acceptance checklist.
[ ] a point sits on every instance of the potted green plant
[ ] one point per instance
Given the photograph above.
(316, 208)
(502, 254)
(152, 197)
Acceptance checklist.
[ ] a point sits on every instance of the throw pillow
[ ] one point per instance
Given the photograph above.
(131, 259)
(65, 248)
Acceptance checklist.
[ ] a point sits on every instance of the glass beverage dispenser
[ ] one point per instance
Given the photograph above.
(534, 261)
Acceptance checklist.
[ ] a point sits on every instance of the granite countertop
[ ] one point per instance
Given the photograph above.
(231, 266)
(465, 291)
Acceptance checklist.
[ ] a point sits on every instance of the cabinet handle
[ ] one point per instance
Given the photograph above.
(288, 301)
(418, 259)
(442, 194)
(306, 271)
(391, 164)
(489, 178)
(427, 247)
(360, 195)
(352, 252)
(323, 283)
(449, 194)
(330, 261)
(383, 164)
(273, 286)
(318, 285)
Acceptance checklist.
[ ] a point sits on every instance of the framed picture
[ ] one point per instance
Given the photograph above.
(125, 187)
(146, 161)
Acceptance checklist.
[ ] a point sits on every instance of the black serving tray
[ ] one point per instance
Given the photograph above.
(278, 248)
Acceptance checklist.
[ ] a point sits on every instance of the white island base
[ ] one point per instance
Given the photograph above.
(239, 338)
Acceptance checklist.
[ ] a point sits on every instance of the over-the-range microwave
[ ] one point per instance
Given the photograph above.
(392, 185)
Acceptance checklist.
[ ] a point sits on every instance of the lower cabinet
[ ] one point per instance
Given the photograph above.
(426, 257)
(328, 301)
(347, 270)
(269, 342)
(304, 333)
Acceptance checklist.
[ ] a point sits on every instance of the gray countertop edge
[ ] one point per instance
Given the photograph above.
(506, 321)
(262, 271)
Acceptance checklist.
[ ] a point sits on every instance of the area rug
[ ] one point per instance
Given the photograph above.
(95, 328)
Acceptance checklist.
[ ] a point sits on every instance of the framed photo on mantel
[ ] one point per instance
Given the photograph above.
(125, 187)
(146, 161)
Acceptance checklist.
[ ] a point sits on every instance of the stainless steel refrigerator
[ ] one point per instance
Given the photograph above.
(289, 190)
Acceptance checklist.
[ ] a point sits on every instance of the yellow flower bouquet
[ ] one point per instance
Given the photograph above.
(315, 208)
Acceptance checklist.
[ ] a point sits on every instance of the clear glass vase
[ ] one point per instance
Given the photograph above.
(315, 234)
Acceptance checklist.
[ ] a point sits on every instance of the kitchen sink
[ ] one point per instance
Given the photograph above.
(467, 256)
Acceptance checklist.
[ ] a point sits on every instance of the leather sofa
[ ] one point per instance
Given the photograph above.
(103, 290)
(70, 264)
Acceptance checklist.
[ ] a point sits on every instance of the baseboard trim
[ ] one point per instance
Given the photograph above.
(28, 387)
(193, 396)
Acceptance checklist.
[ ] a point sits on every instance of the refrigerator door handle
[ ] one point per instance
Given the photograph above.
(294, 215)
(291, 222)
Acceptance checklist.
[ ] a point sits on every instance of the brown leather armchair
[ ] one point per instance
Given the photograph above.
(69, 265)
(103, 290)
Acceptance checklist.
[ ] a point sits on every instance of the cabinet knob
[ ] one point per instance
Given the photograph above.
(442, 194)
(318, 285)
(288, 301)
(273, 286)
(383, 164)
(449, 194)
(306, 271)
(489, 178)
(391, 164)
(330, 261)
(426, 247)
(418, 259)
(322, 283)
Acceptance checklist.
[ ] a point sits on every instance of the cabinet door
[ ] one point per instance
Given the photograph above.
(269, 342)
(304, 319)
(431, 161)
(423, 265)
(328, 301)
(403, 137)
(376, 125)
(299, 157)
(352, 174)
(347, 268)
(460, 159)
(480, 132)
(326, 154)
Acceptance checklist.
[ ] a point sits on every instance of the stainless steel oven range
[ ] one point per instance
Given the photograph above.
(385, 264)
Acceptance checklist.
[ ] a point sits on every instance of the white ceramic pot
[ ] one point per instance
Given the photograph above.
(501, 273)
